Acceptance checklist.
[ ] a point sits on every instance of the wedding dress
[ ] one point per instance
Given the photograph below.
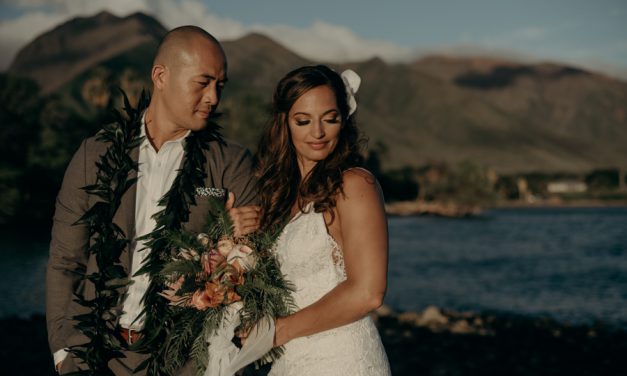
(313, 262)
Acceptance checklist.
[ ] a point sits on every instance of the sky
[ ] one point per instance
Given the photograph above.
(590, 34)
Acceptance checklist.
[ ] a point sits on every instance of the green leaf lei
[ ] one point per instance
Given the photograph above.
(108, 241)
(159, 317)
(171, 335)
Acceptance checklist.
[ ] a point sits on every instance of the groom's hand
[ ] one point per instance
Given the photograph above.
(245, 218)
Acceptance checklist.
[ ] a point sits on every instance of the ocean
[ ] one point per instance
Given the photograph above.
(566, 263)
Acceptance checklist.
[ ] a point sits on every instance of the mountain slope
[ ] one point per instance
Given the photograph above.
(58, 56)
(505, 115)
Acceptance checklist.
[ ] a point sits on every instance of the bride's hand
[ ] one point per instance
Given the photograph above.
(242, 335)
(245, 218)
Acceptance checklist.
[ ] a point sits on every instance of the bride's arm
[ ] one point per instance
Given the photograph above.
(361, 216)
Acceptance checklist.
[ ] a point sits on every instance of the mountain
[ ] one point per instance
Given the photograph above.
(509, 116)
(55, 57)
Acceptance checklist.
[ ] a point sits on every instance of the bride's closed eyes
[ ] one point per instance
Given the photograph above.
(333, 119)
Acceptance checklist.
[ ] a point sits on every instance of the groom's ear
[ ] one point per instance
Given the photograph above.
(158, 75)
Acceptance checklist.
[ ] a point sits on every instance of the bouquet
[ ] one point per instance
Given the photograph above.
(218, 285)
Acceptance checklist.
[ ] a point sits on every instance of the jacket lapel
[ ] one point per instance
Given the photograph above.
(126, 214)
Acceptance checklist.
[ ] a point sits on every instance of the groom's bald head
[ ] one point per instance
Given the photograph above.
(179, 43)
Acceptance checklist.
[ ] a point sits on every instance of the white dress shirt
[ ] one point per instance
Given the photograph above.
(157, 171)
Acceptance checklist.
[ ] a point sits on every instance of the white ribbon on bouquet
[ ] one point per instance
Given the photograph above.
(225, 359)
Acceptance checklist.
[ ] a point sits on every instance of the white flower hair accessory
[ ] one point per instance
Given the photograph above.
(352, 82)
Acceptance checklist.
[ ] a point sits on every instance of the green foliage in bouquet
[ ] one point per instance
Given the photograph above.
(263, 290)
(159, 317)
(108, 241)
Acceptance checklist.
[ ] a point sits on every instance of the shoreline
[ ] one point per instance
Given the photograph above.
(450, 210)
(434, 341)
(562, 204)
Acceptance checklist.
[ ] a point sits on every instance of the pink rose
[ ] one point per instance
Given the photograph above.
(211, 260)
(225, 245)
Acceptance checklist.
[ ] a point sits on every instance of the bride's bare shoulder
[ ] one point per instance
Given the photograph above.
(358, 172)
(359, 184)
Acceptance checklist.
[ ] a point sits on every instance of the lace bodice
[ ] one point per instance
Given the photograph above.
(310, 257)
(314, 263)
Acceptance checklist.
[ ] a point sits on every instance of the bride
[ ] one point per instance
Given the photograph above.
(334, 247)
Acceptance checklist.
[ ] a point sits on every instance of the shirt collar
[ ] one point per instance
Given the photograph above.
(146, 143)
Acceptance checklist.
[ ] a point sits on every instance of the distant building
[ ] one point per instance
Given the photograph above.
(567, 186)
(524, 193)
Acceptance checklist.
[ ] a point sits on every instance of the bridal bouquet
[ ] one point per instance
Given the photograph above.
(219, 285)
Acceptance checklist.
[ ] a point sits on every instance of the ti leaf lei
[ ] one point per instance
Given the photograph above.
(159, 316)
(109, 241)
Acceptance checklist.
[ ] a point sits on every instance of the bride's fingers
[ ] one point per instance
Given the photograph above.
(245, 230)
(242, 335)
(237, 215)
(252, 216)
(249, 222)
(244, 219)
(245, 227)
(244, 210)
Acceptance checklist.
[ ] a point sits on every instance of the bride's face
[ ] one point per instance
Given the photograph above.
(314, 122)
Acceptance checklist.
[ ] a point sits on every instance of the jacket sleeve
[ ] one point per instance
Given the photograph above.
(239, 177)
(68, 251)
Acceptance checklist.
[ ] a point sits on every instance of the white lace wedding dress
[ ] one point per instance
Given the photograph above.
(313, 262)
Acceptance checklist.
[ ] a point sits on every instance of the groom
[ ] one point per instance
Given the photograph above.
(188, 75)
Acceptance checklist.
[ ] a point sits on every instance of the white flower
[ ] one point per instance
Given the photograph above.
(352, 82)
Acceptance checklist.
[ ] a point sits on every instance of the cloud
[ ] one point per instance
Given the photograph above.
(524, 35)
(15, 33)
(179, 13)
(39, 16)
(530, 33)
(326, 42)
(320, 41)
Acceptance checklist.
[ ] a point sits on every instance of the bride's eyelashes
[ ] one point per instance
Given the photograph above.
(332, 120)
(302, 122)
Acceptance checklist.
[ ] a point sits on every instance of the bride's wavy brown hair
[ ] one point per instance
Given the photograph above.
(279, 178)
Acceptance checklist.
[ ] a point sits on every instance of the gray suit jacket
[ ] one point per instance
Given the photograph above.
(228, 166)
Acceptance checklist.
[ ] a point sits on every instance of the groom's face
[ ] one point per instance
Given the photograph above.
(194, 84)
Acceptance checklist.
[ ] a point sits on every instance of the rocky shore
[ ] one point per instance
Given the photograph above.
(440, 342)
(452, 210)
(440, 209)
(431, 342)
